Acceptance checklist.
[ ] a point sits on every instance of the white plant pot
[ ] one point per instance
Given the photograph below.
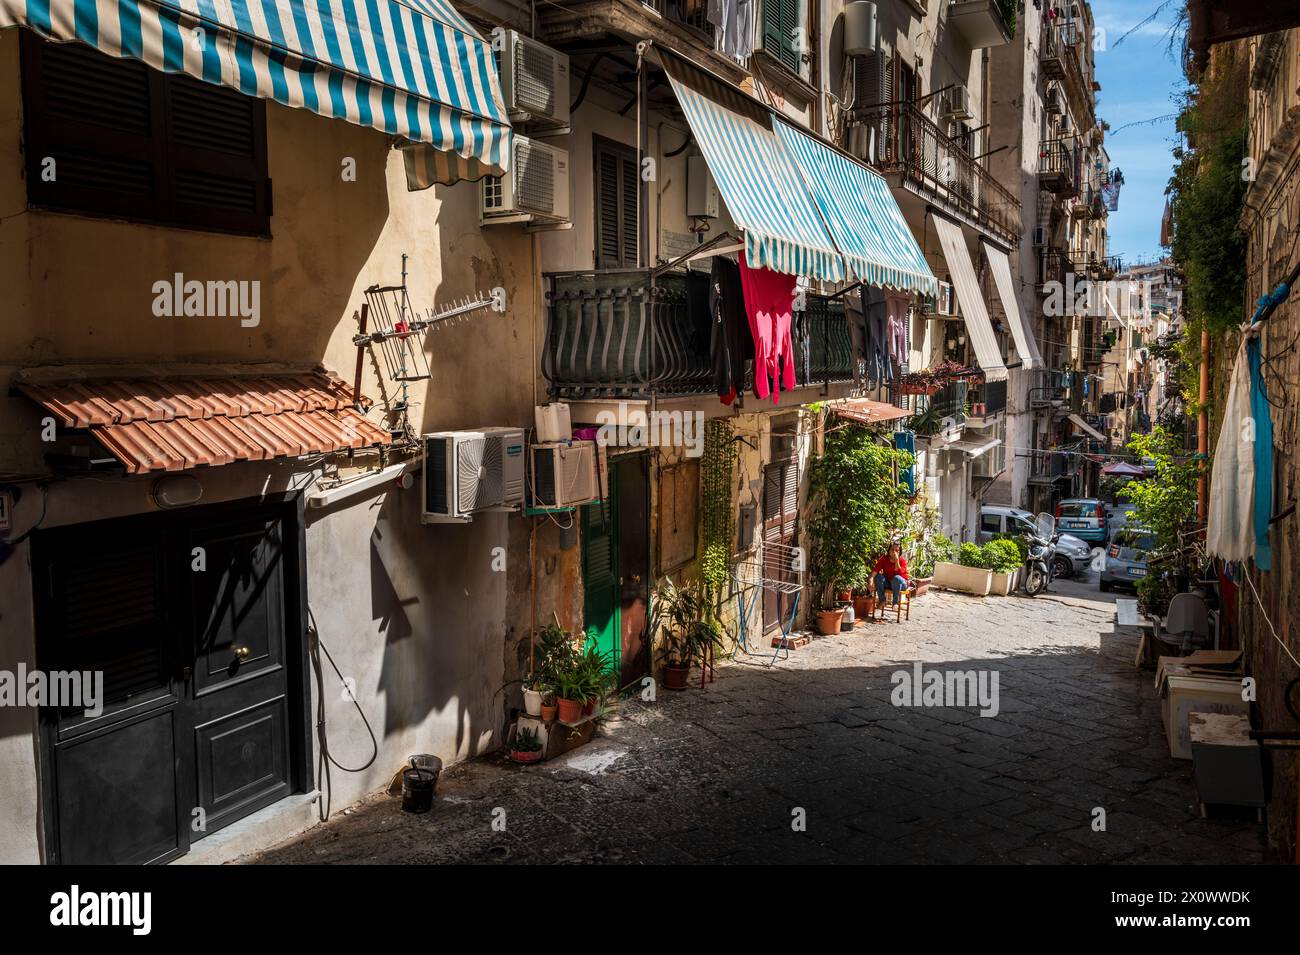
(533, 702)
(1002, 584)
(969, 580)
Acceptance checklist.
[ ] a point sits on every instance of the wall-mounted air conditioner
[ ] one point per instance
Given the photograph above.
(956, 103)
(702, 199)
(536, 187)
(469, 471)
(534, 80)
(563, 473)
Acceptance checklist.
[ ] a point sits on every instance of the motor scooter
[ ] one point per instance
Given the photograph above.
(1039, 561)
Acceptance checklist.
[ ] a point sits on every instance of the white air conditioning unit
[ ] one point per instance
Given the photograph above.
(702, 198)
(563, 473)
(536, 187)
(534, 80)
(1040, 236)
(956, 103)
(468, 471)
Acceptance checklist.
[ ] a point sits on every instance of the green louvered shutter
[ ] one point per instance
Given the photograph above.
(780, 21)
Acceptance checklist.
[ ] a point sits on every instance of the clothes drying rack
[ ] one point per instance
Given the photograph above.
(778, 569)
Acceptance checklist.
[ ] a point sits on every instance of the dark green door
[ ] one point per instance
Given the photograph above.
(616, 567)
(600, 571)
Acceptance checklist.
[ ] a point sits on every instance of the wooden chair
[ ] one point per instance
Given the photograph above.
(902, 611)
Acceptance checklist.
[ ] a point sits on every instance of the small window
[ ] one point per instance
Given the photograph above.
(784, 35)
(991, 523)
(116, 138)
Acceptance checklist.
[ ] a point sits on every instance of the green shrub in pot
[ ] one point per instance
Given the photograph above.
(1001, 556)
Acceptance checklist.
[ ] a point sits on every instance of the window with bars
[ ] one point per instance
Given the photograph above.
(117, 138)
(617, 187)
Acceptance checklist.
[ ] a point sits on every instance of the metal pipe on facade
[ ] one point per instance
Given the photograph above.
(1203, 429)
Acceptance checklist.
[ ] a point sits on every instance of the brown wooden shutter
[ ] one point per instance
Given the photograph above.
(132, 142)
(679, 497)
(617, 186)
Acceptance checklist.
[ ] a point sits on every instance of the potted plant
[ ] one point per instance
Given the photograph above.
(688, 631)
(571, 695)
(526, 748)
(596, 671)
(533, 691)
(1002, 557)
(549, 709)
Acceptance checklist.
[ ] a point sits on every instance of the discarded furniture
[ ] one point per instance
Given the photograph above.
(1188, 622)
(1226, 762)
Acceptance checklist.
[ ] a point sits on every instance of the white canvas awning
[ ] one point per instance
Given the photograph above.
(1086, 428)
(1026, 344)
(978, 326)
(975, 447)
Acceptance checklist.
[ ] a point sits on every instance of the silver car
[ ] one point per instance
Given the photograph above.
(1126, 557)
(1072, 555)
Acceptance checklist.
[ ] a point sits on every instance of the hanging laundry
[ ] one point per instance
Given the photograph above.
(731, 345)
(896, 308)
(737, 34)
(879, 368)
(769, 303)
(1263, 445)
(1231, 530)
(855, 317)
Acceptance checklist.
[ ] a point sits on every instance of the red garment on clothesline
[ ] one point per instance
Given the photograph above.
(769, 304)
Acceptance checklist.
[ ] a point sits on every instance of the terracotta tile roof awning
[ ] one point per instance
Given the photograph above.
(170, 424)
(866, 411)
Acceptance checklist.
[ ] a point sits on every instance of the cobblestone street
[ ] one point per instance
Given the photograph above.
(715, 775)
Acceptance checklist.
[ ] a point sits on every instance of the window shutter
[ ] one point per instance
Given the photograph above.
(132, 142)
(780, 20)
(617, 188)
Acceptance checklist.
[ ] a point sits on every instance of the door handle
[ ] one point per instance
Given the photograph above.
(240, 652)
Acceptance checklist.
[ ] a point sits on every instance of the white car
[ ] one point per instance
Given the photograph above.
(1072, 555)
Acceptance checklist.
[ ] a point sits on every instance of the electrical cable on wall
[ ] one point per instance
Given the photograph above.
(326, 759)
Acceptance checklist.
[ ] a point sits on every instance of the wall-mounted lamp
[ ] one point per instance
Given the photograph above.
(176, 490)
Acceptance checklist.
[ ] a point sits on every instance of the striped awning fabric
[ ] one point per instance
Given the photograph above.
(171, 424)
(962, 269)
(763, 189)
(861, 214)
(1026, 344)
(411, 68)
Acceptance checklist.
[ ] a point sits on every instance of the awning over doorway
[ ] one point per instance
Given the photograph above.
(1026, 344)
(974, 447)
(976, 315)
(170, 424)
(1087, 428)
(867, 411)
(411, 68)
(861, 215)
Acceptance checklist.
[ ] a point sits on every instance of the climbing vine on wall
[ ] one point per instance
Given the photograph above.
(715, 502)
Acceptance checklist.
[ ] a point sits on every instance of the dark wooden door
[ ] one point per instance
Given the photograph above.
(193, 735)
(780, 525)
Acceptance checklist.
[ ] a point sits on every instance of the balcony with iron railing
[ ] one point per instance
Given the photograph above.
(1054, 265)
(942, 411)
(1058, 166)
(630, 334)
(935, 166)
(986, 401)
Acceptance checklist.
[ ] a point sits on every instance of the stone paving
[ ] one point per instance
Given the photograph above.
(719, 774)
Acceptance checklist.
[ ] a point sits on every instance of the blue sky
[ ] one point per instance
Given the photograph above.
(1139, 80)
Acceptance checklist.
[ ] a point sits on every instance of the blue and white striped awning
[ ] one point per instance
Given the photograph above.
(763, 190)
(411, 68)
(861, 215)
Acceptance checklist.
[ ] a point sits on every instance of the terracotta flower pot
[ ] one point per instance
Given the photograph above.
(828, 621)
(844, 596)
(675, 677)
(521, 757)
(864, 607)
(921, 585)
(589, 707)
(570, 711)
(548, 712)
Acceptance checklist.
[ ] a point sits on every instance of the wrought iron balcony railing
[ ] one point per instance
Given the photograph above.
(988, 398)
(909, 143)
(624, 333)
(1058, 166)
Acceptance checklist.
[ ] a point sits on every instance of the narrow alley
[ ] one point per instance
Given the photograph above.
(714, 775)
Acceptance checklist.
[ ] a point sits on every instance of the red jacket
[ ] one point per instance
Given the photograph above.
(891, 570)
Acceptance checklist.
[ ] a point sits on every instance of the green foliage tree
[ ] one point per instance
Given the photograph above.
(856, 506)
(1165, 502)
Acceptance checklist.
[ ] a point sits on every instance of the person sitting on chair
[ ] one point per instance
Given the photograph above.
(890, 571)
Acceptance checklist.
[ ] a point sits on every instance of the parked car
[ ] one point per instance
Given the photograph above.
(1126, 557)
(1072, 554)
(1084, 517)
(1118, 515)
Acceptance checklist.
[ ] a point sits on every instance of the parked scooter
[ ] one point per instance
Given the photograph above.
(1039, 561)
